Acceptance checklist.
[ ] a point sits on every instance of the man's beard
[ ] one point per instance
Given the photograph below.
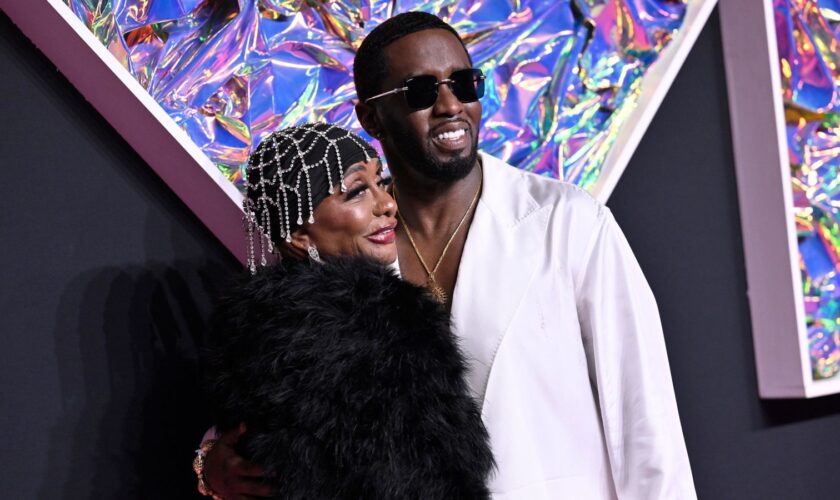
(422, 161)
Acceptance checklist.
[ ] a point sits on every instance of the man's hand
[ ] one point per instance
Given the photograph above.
(231, 476)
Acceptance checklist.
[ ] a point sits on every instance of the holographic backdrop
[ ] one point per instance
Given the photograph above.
(564, 74)
(808, 34)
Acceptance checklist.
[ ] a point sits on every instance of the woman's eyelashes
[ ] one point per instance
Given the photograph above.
(362, 187)
(355, 191)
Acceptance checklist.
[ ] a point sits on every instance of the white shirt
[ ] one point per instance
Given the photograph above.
(565, 347)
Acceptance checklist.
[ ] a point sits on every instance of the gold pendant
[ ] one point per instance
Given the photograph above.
(437, 292)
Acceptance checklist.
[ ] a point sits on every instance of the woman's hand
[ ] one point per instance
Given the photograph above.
(231, 476)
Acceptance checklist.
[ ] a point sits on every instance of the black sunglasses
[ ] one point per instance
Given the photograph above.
(421, 91)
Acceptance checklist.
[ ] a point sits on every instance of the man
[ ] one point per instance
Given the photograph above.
(560, 326)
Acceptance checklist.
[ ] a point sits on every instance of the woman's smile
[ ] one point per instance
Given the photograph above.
(384, 236)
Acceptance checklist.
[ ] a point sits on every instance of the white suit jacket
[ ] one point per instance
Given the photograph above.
(565, 348)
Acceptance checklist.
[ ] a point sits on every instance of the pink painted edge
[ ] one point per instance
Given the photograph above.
(131, 119)
(765, 197)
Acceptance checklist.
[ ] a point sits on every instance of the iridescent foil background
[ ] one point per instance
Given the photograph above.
(564, 74)
(808, 34)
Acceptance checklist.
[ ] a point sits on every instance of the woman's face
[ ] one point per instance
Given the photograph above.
(359, 221)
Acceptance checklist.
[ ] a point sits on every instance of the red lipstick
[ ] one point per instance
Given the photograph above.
(383, 236)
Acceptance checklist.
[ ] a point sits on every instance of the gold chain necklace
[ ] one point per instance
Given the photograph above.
(437, 292)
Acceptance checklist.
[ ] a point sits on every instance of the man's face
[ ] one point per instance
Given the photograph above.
(439, 142)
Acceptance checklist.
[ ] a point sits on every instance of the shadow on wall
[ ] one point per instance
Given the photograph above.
(790, 411)
(132, 412)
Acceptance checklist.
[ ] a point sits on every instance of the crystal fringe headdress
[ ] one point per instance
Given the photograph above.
(280, 176)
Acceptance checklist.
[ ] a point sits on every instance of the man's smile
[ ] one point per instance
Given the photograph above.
(451, 137)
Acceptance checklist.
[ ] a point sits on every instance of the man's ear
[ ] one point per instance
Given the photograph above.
(367, 117)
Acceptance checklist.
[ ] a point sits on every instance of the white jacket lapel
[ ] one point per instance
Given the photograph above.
(500, 258)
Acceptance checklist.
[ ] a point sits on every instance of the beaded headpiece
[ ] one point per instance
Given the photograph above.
(289, 174)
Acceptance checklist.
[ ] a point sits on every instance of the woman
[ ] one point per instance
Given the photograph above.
(334, 376)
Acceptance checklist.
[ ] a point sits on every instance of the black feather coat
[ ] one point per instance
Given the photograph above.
(350, 382)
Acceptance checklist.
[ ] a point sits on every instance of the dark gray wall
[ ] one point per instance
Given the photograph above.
(678, 205)
(107, 281)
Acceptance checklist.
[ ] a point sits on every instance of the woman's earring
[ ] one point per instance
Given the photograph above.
(313, 253)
